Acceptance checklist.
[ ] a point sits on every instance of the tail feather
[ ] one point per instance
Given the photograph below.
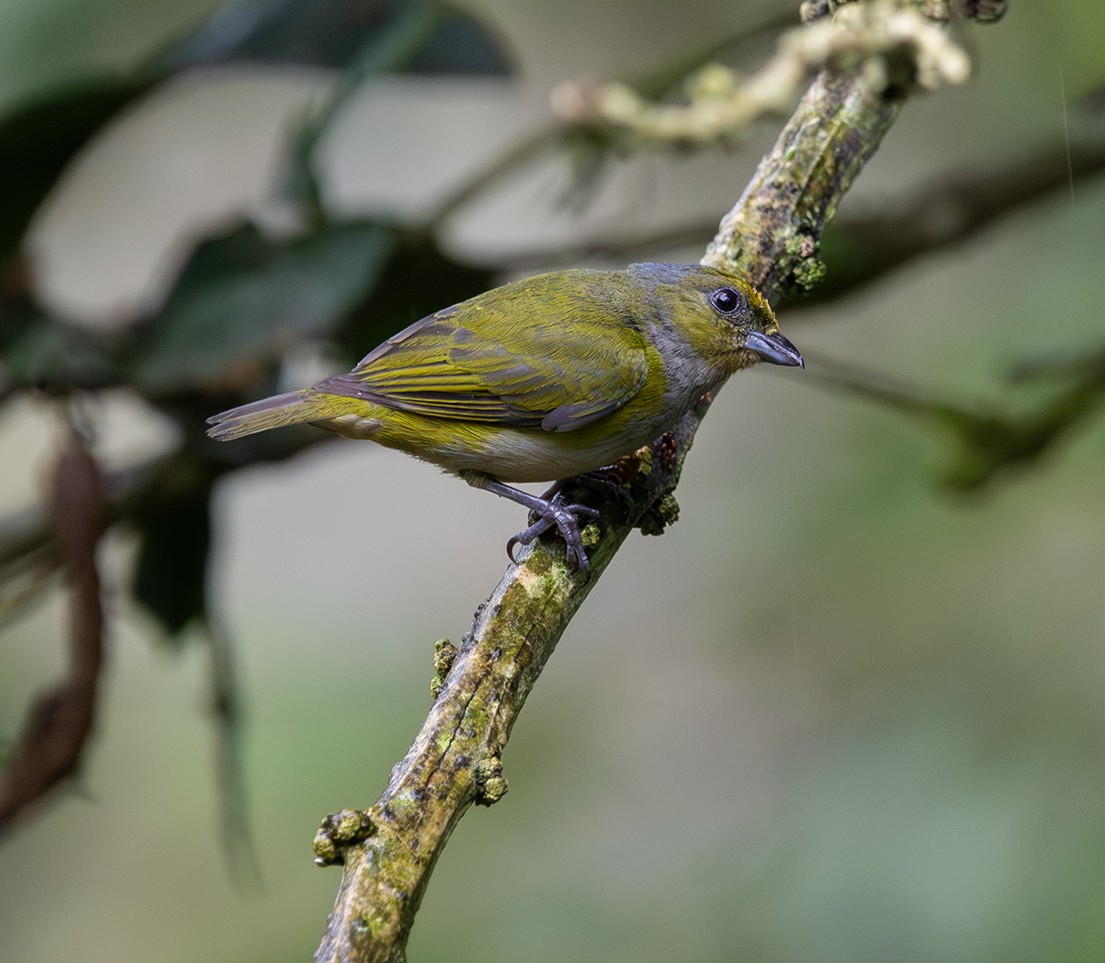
(293, 408)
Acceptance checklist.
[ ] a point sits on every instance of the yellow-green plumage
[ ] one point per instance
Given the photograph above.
(541, 379)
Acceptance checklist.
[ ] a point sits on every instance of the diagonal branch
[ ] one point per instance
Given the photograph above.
(772, 236)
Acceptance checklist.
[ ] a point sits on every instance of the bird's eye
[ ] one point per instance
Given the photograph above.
(726, 300)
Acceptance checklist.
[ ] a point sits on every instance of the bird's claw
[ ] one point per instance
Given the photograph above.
(566, 519)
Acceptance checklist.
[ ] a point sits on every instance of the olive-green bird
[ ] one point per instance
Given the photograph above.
(542, 379)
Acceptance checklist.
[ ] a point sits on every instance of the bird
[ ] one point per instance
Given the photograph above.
(542, 379)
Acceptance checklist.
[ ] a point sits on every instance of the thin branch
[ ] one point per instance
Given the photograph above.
(226, 707)
(988, 439)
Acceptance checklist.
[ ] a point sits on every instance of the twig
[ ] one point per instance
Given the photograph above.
(989, 439)
(235, 830)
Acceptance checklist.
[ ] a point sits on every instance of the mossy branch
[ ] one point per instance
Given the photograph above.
(877, 38)
(772, 235)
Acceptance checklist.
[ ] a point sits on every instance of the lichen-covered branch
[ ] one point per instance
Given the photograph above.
(874, 38)
(772, 235)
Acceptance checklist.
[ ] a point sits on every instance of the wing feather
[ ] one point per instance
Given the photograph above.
(581, 360)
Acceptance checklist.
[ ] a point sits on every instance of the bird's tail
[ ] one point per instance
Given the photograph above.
(293, 408)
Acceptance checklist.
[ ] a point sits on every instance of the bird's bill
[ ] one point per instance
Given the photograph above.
(773, 348)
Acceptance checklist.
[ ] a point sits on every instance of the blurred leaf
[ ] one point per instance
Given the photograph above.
(170, 578)
(41, 352)
(39, 139)
(417, 36)
(393, 41)
(41, 136)
(243, 296)
(460, 44)
(419, 280)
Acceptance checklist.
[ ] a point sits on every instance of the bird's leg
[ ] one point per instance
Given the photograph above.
(550, 511)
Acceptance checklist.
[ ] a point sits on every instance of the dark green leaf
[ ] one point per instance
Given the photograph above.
(461, 45)
(418, 36)
(47, 354)
(37, 350)
(242, 297)
(40, 136)
(172, 563)
(419, 280)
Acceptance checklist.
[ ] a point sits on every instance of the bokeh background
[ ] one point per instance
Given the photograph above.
(835, 713)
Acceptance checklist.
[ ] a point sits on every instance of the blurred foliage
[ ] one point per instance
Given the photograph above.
(239, 301)
(41, 136)
(171, 570)
(986, 440)
(245, 297)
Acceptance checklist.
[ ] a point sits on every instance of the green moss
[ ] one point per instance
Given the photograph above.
(809, 273)
(445, 654)
(661, 514)
(491, 784)
(326, 852)
(339, 830)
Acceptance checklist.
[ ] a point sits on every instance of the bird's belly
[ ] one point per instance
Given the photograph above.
(506, 453)
(513, 455)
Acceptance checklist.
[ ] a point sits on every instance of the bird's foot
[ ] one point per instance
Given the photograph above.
(607, 483)
(553, 513)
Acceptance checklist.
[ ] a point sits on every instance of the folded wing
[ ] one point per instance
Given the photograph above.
(482, 363)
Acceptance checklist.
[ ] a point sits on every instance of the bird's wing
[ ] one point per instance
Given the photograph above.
(470, 364)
